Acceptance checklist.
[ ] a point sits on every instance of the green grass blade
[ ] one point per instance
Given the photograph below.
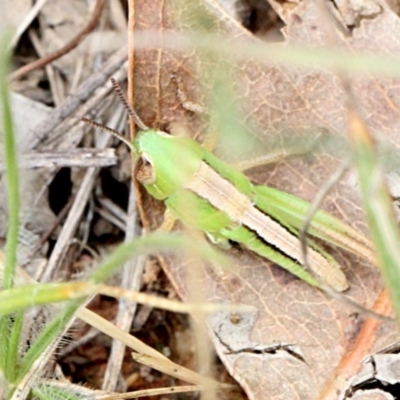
(19, 298)
(47, 337)
(155, 242)
(9, 330)
(46, 392)
(11, 174)
(12, 359)
(146, 244)
(378, 207)
(5, 331)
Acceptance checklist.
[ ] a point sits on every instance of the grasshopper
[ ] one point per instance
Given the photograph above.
(209, 195)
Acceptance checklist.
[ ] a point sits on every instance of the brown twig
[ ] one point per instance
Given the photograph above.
(351, 362)
(85, 98)
(41, 62)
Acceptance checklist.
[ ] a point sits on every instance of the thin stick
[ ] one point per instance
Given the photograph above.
(41, 62)
(89, 94)
(315, 205)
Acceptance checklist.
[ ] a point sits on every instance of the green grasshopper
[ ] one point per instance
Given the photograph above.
(209, 195)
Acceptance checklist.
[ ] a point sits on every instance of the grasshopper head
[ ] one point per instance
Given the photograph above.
(164, 163)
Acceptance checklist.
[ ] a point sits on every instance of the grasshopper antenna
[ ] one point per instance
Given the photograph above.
(109, 130)
(130, 110)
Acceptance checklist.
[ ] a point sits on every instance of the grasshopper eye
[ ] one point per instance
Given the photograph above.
(144, 171)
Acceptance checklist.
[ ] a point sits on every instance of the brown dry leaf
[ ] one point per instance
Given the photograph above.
(292, 345)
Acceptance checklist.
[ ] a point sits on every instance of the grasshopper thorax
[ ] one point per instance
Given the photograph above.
(157, 156)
